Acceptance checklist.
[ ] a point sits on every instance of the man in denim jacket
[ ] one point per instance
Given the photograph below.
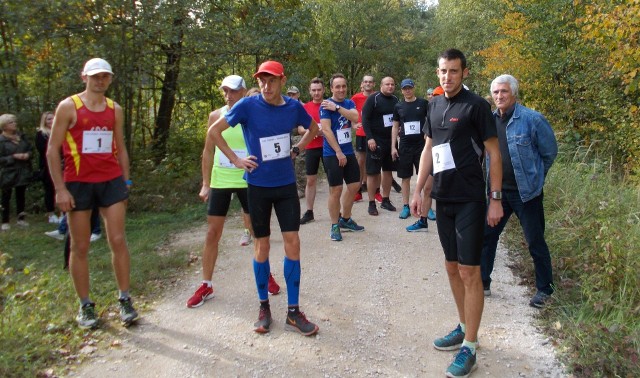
(528, 147)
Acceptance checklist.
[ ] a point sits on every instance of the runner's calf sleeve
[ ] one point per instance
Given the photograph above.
(261, 271)
(292, 278)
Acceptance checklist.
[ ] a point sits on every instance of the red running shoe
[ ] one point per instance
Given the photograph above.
(203, 293)
(273, 287)
(358, 197)
(378, 197)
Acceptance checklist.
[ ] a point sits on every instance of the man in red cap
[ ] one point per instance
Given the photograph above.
(266, 122)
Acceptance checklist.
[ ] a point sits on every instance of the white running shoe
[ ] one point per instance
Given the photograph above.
(245, 239)
(94, 237)
(55, 234)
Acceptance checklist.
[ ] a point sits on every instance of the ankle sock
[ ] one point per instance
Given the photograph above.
(471, 345)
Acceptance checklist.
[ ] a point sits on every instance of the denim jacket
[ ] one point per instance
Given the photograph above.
(533, 148)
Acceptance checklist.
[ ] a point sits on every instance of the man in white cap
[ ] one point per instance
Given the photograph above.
(88, 128)
(221, 179)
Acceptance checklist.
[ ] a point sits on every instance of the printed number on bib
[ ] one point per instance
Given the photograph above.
(344, 136)
(97, 142)
(275, 147)
(388, 120)
(412, 128)
(442, 158)
(224, 162)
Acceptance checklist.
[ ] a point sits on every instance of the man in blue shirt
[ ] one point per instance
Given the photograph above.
(266, 122)
(528, 148)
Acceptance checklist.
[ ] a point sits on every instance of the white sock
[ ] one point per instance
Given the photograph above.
(209, 283)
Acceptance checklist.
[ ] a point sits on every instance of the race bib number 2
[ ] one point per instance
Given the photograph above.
(97, 142)
(275, 147)
(442, 158)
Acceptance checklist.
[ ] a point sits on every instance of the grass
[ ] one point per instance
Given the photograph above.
(593, 232)
(38, 302)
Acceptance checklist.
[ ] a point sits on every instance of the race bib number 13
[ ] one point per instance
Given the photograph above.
(275, 147)
(97, 142)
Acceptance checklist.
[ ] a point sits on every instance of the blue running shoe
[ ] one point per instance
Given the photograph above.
(431, 215)
(463, 364)
(350, 225)
(404, 214)
(452, 341)
(419, 226)
(335, 233)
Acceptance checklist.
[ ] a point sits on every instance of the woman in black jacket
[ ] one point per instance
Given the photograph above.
(15, 168)
(42, 140)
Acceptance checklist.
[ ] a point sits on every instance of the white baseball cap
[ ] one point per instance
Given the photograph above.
(95, 66)
(233, 82)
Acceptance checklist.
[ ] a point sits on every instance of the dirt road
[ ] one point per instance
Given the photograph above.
(380, 297)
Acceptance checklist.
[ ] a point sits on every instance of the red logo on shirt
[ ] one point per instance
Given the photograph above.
(453, 119)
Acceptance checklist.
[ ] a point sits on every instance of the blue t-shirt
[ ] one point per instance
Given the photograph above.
(267, 132)
(340, 126)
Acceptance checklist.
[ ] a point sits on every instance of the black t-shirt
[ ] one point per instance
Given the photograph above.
(508, 175)
(411, 116)
(462, 124)
(377, 116)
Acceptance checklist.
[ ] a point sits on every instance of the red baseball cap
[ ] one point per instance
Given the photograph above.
(270, 67)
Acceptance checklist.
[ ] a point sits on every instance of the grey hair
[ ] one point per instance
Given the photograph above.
(506, 79)
(6, 119)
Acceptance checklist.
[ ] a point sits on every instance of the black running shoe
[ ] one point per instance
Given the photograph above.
(396, 186)
(264, 320)
(128, 314)
(387, 205)
(307, 217)
(373, 210)
(296, 321)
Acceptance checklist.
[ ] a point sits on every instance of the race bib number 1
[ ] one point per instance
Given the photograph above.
(97, 142)
(275, 147)
(442, 158)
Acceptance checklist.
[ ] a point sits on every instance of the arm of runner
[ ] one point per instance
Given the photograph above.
(65, 117)
(215, 133)
(121, 147)
(495, 212)
(394, 139)
(207, 158)
(308, 136)
(426, 162)
(333, 142)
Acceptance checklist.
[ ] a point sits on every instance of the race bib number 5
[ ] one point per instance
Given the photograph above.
(442, 158)
(97, 142)
(275, 147)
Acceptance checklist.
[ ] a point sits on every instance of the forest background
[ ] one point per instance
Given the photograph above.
(577, 62)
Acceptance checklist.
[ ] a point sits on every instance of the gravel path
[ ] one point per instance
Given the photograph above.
(380, 297)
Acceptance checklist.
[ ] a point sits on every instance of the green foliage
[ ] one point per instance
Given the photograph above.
(37, 327)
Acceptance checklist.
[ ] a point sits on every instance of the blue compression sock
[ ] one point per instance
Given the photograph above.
(261, 272)
(292, 278)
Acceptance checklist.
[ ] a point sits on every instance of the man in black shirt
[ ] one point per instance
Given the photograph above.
(459, 128)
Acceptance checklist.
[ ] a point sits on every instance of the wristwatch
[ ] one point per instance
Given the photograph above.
(496, 195)
(337, 107)
(296, 150)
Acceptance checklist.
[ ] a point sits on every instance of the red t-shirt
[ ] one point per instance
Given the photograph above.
(359, 99)
(89, 148)
(314, 111)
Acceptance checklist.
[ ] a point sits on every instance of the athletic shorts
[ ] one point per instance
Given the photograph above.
(461, 230)
(220, 199)
(384, 163)
(361, 144)
(88, 195)
(408, 161)
(312, 159)
(336, 174)
(284, 199)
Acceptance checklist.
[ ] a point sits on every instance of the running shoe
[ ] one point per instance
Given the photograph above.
(272, 286)
(350, 225)
(463, 364)
(87, 316)
(245, 239)
(307, 217)
(431, 215)
(54, 219)
(397, 187)
(378, 197)
(55, 234)
(373, 210)
(404, 214)
(419, 226)
(358, 197)
(487, 289)
(335, 233)
(94, 237)
(203, 293)
(128, 314)
(297, 322)
(264, 320)
(387, 205)
(539, 300)
(452, 341)
(6, 227)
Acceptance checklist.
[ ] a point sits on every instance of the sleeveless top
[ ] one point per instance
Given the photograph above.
(89, 149)
(225, 175)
